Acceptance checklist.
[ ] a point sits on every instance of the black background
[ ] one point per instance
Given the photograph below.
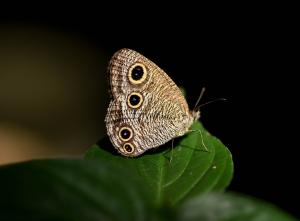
(242, 55)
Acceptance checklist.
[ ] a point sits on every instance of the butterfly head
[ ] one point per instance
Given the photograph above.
(195, 115)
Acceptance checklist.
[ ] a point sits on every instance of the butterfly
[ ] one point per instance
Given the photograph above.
(147, 108)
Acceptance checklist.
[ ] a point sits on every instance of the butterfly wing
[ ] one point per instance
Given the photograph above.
(147, 108)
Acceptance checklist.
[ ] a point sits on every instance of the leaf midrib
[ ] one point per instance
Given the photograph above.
(185, 193)
(181, 173)
(160, 180)
(193, 185)
(186, 165)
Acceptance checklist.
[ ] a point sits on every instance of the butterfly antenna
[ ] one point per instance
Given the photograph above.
(212, 101)
(199, 98)
(196, 108)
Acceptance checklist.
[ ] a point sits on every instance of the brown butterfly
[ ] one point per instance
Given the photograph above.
(147, 108)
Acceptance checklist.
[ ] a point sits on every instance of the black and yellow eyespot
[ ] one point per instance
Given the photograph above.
(128, 148)
(135, 100)
(125, 133)
(137, 73)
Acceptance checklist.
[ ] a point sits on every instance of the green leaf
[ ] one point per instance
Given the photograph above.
(192, 169)
(112, 187)
(229, 207)
(71, 190)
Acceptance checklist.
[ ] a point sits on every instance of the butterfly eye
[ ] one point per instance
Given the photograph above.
(125, 133)
(137, 73)
(128, 148)
(135, 100)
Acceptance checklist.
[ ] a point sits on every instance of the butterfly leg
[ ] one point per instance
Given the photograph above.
(172, 151)
(202, 140)
(171, 155)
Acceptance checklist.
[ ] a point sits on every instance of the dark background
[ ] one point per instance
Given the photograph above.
(239, 55)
